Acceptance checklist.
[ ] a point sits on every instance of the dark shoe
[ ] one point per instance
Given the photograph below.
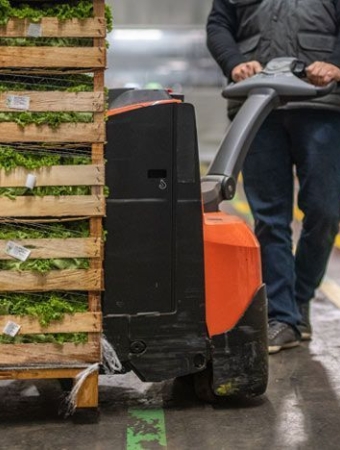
(280, 336)
(304, 326)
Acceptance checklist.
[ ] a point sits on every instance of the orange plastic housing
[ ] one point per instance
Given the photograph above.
(127, 108)
(232, 270)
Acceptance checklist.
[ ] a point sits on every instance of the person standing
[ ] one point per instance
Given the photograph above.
(301, 139)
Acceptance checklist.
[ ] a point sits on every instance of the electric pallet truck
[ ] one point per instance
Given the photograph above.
(183, 288)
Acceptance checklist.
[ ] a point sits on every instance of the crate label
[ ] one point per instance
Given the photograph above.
(34, 30)
(11, 329)
(30, 181)
(17, 251)
(18, 102)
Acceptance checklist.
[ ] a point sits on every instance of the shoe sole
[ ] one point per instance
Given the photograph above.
(276, 348)
(306, 332)
(306, 336)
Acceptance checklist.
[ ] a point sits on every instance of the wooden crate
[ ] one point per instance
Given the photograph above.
(24, 361)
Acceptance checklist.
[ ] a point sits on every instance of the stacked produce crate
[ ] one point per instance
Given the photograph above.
(52, 133)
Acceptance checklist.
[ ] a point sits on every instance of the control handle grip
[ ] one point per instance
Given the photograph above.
(298, 69)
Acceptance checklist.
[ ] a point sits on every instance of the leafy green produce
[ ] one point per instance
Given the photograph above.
(79, 9)
(46, 42)
(60, 338)
(78, 228)
(75, 82)
(5, 11)
(47, 307)
(45, 265)
(53, 119)
(11, 158)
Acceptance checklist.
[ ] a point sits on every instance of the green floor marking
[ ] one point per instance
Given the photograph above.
(146, 429)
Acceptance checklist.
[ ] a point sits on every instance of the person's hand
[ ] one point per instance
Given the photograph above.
(321, 73)
(245, 70)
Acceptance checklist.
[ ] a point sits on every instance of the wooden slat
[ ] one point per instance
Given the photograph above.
(87, 396)
(56, 248)
(53, 57)
(53, 206)
(52, 27)
(55, 101)
(82, 175)
(97, 157)
(65, 132)
(75, 323)
(66, 280)
(26, 354)
(25, 373)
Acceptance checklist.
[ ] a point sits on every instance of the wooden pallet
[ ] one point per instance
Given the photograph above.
(25, 361)
(87, 397)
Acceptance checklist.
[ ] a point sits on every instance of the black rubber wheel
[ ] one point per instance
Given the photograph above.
(203, 386)
(204, 392)
(183, 389)
(186, 380)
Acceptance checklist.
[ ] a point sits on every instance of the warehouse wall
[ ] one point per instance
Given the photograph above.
(160, 12)
(173, 16)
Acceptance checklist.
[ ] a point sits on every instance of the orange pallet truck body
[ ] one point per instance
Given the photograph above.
(183, 289)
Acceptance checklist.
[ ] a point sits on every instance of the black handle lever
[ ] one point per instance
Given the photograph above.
(298, 68)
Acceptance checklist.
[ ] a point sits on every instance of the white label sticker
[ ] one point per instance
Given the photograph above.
(30, 181)
(17, 251)
(11, 329)
(34, 30)
(18, 102)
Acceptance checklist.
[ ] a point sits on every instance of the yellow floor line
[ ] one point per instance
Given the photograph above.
(337, 241)
(331, 290)
(242, 207)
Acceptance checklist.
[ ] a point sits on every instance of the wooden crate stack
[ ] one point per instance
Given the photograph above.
(60, 361)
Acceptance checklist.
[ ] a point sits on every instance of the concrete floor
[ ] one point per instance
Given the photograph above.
(300, 410)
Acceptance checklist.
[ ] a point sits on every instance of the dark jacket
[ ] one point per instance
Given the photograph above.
(245, 30)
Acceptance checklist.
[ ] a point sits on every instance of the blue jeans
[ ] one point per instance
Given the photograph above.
(308, 140)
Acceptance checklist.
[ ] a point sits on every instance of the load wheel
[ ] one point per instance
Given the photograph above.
(247, 395)
(200, 384)
(203, 386)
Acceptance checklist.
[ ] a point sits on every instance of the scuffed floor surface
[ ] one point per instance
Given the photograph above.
(300, 411)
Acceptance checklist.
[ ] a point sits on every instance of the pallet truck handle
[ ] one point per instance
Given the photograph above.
(276, 85)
